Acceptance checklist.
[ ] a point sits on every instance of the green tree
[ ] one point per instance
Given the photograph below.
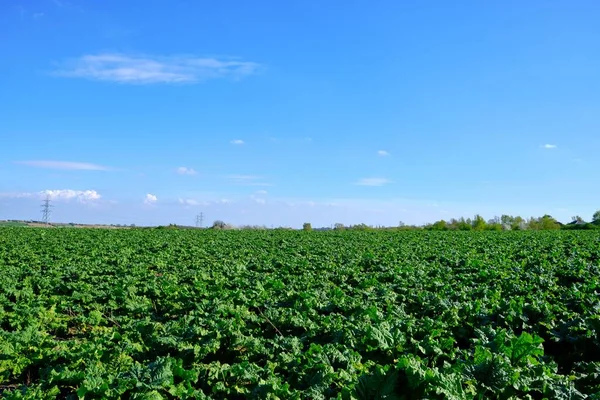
(360, 227)
(596, 217)
(549, 223)
(307, 226)
(507, 220)
(533, 224)
(440, 226)
(494, 224)
(479, 223)
(493, 227)
(495, 220)
(453, 224)
(544, 223)
(518, 223)
(464, 225)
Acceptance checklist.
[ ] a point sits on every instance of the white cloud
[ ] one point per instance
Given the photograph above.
(186, 171)
(263, 192)
(549, 146)
(133, 69)
(196, 203)
(189, 202)
(382, 153)
(372, 181)
(193, 202)
(83, 196)
(258, 199)
(17, 195)
(69, 165)
(67, 5)
(150, 199)
(237, 142)
(301, 203)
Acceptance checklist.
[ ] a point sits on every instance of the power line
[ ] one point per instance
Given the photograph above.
(46, 210)
(199, 220)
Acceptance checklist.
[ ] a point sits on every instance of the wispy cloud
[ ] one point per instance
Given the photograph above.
(150, 199)
(206, 203)
(300, 203)
(68, 165)
(186, 171)
(67, 5)
(132, 69)
(193, 202)
(188, 202)
(382, 153)
(372, 182)
(248, 180)
(237, 142)
(83, 196)
(549, 146)
(259, 198)
(15, 195)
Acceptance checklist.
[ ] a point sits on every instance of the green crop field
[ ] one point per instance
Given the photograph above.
(163, 314)
(12, 224)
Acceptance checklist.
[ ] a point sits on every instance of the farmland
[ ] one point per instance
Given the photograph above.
(159, 314)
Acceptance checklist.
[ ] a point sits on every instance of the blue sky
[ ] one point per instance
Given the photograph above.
(278, 113)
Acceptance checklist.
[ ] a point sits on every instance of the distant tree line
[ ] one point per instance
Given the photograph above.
(509, 222)
(477, 223)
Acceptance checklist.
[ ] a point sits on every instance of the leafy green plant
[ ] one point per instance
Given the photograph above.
(281, 314)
